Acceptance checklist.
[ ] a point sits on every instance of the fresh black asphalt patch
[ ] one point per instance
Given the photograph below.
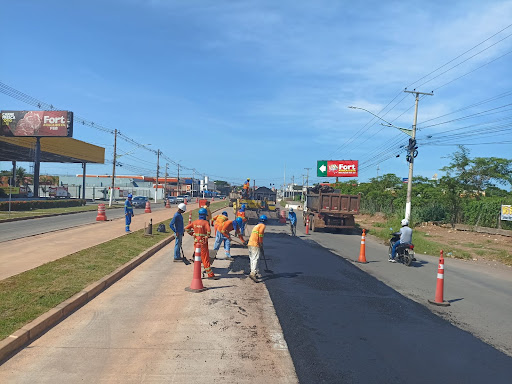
(342, 325)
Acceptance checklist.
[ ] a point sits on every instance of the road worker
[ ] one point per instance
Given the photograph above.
(224, 236)
(256, 246)
(293, 221)
(201, 231)
(218, 220)
(241, 213)
(176, 225)
(128, 212)
(246, 187)
(208, 212)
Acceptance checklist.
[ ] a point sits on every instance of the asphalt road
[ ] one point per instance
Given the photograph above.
(18, 229)
(343, 325)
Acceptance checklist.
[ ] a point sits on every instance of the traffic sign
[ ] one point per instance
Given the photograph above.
(321, 168)
(337, 168)
(405, 179)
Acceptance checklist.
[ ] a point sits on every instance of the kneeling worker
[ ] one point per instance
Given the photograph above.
(218, 220)
(256, 246)
(200, 229)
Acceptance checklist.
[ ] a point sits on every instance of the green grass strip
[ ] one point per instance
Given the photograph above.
(26, 296)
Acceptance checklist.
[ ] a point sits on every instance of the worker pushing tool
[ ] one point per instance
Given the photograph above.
(256, 246)
(128, 212)
(208, 212)
(241, 214)
(201, 231)
(224, 236)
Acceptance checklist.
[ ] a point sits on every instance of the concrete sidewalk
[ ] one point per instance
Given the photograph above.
(30, 252)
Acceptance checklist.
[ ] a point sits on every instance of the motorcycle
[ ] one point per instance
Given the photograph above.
(404, 252)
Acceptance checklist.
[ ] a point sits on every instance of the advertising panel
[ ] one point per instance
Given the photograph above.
(37, 123)
(506, 212)
(337, 168)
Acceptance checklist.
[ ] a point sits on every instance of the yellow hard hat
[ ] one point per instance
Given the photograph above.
(248, 179)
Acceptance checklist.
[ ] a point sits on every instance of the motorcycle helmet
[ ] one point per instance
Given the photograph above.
(405, 222)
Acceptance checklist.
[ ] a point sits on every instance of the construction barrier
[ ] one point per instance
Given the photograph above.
(362, 251)
(167, 204)
(197, 283)
(101, 213)
(202, 203)
(440, 284)
(148, 207)
(307, 225)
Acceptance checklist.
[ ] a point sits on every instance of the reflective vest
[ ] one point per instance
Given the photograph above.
(200, 229)
(257, 233)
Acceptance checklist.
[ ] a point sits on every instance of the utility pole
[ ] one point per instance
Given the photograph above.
(293, 188)
(157, 172)
(165, 182)
(193, 180)
(178, 184)
(307, 177)
(412, 144)
(378, 171)
(113, 169)
(284, 181)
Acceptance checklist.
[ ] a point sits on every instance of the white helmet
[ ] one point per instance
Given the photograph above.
(405, 222)
(183, 207)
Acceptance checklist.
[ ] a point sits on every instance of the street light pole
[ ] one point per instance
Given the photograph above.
(157, 172)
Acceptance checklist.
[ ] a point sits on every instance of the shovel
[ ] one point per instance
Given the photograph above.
(265, 259)
(185, 260)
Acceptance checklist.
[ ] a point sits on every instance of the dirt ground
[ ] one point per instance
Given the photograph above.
(477, 247)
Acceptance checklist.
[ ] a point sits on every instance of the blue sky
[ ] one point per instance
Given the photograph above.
(238, 89)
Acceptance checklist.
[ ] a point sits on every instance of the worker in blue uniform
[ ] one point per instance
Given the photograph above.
(128, 212)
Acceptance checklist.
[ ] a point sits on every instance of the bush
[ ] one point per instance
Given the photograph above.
(431, 212)
(40, 204)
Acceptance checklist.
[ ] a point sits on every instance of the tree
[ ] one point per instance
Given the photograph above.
(479, 173)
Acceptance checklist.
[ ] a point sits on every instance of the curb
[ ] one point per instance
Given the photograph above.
(31, 331)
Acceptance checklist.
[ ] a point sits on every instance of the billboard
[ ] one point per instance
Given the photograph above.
(337, 168)
(506, 212)
(37, 123)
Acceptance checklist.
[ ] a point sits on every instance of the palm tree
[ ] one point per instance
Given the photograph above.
(21, 174)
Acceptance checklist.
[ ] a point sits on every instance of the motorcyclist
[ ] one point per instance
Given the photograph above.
(405, 238)
(293, 221)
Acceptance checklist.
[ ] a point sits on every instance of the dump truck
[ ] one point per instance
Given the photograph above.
(330, 209)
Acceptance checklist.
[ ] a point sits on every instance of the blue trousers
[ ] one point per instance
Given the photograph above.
(177, 245)
(219, 238)
(393, 249)
(128, 221)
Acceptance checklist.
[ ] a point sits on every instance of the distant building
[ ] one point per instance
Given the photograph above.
(263, 193)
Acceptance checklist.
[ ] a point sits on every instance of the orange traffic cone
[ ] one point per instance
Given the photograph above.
(440, 284)
(190, 217)
(101, 213)
(185, 201)
(148, 207)
(197, 283)
(307, 225)
(362, 251)
(167, 204)
(213, 198)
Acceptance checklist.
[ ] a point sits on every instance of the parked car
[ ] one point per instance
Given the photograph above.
(172, 199)
(139, 201)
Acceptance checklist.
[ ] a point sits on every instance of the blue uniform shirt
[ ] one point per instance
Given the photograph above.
(177, 223)
(292, 217)
(128, 209)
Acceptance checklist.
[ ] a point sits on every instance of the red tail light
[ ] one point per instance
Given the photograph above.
(411, 246)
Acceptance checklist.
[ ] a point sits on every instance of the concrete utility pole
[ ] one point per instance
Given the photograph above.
(411, 154)
(157, 172)
(165, 182)
(293, 188)
(284, 181)
(178, 183)
(307, 177)
(113, 168)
